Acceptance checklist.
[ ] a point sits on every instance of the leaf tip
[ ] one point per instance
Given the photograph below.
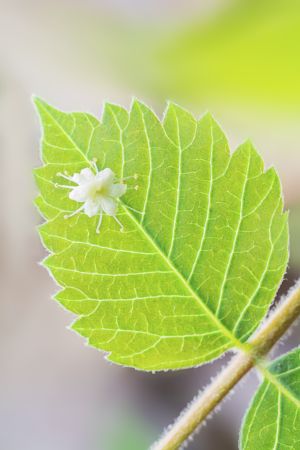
(170, 104)
(75, 326)
(249, 143)
(37, 101)
(42, 106)
(208, 116)
(135, 102)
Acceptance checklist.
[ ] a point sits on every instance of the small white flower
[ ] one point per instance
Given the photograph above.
(98, 192)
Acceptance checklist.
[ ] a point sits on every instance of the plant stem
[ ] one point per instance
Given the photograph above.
(259, 345)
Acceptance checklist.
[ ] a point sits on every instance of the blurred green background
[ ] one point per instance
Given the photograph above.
(237, 58)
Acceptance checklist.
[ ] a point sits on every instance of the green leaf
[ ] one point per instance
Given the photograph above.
(205, 241)
(273, 419)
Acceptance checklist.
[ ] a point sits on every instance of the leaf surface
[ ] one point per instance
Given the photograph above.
(273, 419)
(205, 241)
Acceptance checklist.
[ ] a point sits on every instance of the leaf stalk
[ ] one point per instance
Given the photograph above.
(259, 345)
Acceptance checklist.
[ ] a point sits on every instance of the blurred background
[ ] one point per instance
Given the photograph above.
(237, 58)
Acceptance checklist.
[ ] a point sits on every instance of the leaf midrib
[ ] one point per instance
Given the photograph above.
(279, 386)
(225, 331)
(193, 293)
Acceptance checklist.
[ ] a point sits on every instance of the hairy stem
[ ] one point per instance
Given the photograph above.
(259, 345)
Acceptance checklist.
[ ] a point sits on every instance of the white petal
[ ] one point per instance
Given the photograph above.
(91, 208)
(117, 190)
(76, 178)
(109, 205)
(84, 176)
(79, 194)
(106, 176)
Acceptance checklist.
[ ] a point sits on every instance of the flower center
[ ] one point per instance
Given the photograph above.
(97, 189)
